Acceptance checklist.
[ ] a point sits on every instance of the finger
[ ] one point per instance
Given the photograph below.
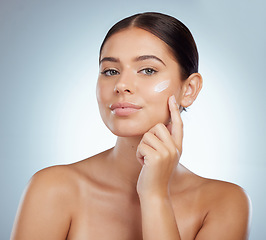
(162, 133)
(152, 140)
(143, 152)
(176, 123)
(169, 127)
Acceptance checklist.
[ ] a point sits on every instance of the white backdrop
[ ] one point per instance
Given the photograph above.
(48, 72)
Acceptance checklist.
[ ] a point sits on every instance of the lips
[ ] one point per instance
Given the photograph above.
(124, 109)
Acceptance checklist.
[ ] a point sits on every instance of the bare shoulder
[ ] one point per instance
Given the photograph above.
(56, 178)
(228, 210)
(66, 177)
(210, 191)
(221, 191)
(47, 204)
(221, 210)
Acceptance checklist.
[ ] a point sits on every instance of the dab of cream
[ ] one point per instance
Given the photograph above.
(162, 86)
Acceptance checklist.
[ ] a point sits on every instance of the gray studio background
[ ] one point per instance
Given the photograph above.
(48, 72)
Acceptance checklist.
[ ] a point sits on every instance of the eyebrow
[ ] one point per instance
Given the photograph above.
(137, 59)
(109, 59)
(145, 57)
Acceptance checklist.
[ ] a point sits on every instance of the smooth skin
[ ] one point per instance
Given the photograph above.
(137, 189)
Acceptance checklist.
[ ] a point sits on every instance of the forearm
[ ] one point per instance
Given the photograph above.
(158, 219)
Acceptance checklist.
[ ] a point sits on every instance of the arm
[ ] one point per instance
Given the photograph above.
(159, 153)
(158, 219)
(44, 212)
(229, 215)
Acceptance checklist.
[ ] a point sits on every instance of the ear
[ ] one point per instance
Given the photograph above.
(190, 89)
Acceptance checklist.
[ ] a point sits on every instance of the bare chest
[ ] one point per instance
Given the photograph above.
(108, 219)
(113, 217)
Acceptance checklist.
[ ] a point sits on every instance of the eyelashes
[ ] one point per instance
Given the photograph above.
(113, 72)
(110, 72)
(148, 71)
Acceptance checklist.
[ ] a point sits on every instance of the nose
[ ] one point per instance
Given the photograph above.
(124, 84)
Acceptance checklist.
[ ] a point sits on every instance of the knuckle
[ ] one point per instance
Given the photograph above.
(146, 135)
(173, 151)
(157, 157)
(159, 125)
(164, 154)
(140, 146)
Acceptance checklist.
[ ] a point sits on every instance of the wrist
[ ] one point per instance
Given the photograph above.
(154, 197)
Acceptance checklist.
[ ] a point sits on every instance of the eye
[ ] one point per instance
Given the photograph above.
(148, 71)
(110, 72)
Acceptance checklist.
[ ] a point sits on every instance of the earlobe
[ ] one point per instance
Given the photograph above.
(191, 89)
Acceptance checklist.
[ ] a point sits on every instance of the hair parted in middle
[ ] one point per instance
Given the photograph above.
(170, 30)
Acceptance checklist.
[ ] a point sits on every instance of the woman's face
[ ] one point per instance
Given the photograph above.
(138, 74)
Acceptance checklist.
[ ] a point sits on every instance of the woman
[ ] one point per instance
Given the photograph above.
(137, 189)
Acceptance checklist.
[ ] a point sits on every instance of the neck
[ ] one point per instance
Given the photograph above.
(124, 161)
(125, 168)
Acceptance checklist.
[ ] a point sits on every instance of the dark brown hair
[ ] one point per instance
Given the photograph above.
(170, 30)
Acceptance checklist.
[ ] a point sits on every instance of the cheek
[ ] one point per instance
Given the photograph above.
(103, 96)
(98, 93)
(161, 86)
(156, 97)
(102, 93)
(158, 92)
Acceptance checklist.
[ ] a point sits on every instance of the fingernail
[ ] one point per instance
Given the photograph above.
(173, 99)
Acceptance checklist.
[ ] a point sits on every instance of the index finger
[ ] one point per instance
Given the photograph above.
(176, 123)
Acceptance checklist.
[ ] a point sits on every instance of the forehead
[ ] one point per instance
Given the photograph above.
(132, 42)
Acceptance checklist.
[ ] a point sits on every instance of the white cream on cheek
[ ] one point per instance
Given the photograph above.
(162, 86)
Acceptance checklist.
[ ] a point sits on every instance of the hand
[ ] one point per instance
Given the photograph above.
(159, 152)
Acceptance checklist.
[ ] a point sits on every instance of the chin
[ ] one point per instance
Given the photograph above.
(128, 132)
(132, 129)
